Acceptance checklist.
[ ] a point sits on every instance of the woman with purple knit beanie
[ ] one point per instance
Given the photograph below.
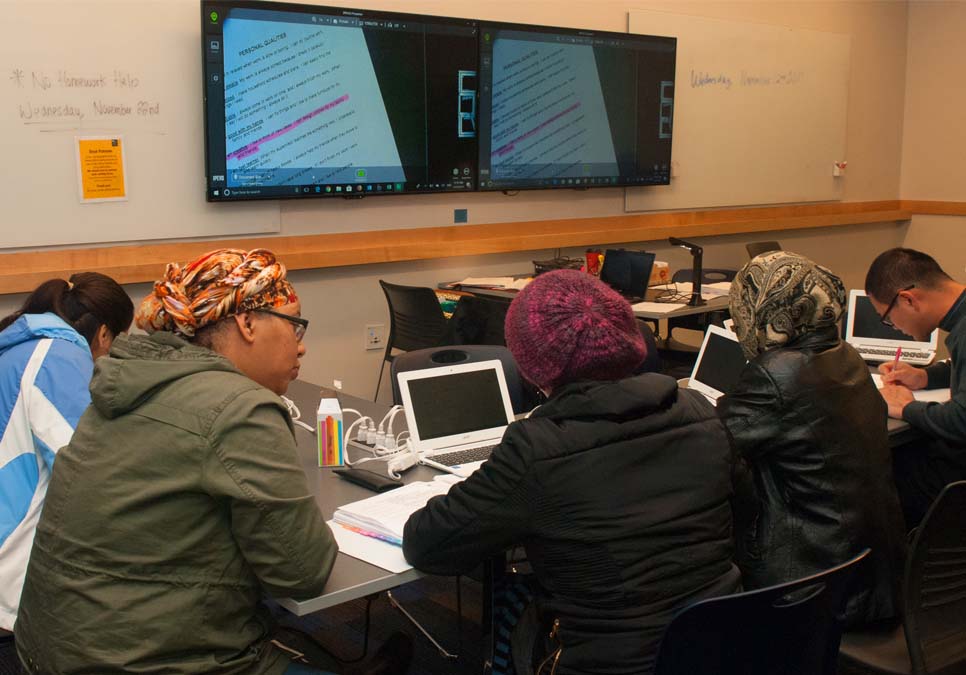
(618, 487)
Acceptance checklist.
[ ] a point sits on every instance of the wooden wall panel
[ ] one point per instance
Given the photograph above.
(23, 271)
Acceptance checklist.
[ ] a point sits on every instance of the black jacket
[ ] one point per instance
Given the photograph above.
(947, 421)
(809, 422)
(620, 493)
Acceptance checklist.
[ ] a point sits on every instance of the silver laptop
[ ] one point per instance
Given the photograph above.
(719, 364)
(877, 342)
(457, 413)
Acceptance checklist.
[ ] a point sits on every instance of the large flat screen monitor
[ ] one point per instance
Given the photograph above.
(564, 108)
(311, 101)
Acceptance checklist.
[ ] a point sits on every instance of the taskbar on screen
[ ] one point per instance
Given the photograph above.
(340, 190)
(569, 182)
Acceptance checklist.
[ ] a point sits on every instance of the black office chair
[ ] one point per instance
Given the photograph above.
(652, 362)
(756, 248)
(932, 638)
(523, 396)
(787, 629)
(416, 321)
(477, 320)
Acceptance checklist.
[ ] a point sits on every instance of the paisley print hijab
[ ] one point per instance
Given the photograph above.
(779, 296)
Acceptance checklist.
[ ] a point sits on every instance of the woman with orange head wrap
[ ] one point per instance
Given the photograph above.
(181, 499)
(221, 283)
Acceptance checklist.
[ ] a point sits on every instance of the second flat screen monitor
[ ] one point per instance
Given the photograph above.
(567, 108)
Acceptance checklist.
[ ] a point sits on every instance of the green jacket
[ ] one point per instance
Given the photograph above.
(179, 500)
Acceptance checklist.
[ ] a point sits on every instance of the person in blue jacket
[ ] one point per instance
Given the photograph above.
(47, 353)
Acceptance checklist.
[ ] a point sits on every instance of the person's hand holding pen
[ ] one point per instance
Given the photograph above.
(900, 373)
(895, 390)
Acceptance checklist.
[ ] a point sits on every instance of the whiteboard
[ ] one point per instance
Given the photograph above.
(101, 68)
(759, 113)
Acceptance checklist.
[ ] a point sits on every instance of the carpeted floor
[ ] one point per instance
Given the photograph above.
(431, 601)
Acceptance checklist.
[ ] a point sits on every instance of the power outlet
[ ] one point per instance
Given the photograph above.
(375, 336)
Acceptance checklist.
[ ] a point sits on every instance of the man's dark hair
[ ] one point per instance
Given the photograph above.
(900, 268)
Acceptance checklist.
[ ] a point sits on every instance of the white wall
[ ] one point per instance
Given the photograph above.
(934, 136)
(340, 301)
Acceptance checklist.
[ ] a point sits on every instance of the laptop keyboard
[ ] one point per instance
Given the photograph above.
(458, 457)
(892, 352)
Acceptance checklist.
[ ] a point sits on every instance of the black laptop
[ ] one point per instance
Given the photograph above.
(627, 272)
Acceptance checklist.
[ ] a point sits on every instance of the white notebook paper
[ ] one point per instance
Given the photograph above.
(928, 395)
(386, 513)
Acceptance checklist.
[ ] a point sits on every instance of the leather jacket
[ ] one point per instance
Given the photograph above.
(809, 423)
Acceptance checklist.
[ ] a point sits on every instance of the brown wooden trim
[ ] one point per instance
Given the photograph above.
(933, 208)
(20, 272)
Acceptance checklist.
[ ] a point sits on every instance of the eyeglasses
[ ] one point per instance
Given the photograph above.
(298, 323)
(885, 315)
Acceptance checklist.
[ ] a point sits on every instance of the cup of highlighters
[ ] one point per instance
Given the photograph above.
(329, 431)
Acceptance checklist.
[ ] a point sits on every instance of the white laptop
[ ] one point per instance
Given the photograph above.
(877, 342)
(719, 364)
(457, 413)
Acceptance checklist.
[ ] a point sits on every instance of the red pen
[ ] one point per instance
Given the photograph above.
(898, 356)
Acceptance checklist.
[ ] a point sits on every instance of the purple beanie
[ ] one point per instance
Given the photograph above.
(567, 325)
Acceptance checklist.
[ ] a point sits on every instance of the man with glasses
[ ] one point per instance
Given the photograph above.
(180, 498)
(912, 293)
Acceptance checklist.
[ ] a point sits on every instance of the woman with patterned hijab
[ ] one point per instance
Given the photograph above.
(806, 419)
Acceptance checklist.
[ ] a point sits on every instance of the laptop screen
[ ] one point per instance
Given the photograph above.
(867, 324)
(719, 364)
(456, 403)
(863, 327)
(627, 272)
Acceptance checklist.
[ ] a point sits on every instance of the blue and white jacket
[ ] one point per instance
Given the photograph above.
(45, 375)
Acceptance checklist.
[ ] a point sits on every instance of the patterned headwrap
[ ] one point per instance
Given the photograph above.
(220, 283)
(780, 296)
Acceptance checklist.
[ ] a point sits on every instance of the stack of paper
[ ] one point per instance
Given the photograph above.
(508, 283)
(384, 516)
(371, 529)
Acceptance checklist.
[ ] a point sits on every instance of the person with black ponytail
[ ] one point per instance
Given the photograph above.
(47, 353)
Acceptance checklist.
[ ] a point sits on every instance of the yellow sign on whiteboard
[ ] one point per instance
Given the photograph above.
(101, 173)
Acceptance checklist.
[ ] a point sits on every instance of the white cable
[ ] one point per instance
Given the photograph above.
(388, 459)
(295, 414)
(378, 439)
(380, 444)
(360, 422)
(386, 447)
(391, 416)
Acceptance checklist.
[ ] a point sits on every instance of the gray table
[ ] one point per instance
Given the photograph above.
(350, 578)
(712, 305)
